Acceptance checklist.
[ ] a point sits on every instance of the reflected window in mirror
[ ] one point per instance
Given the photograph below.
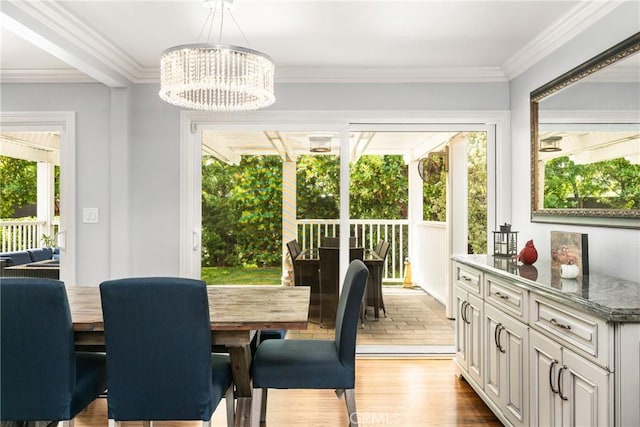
(585, 142)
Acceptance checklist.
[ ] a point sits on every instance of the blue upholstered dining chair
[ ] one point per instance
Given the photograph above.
(314, 364)
(159, 360)
(42, 377)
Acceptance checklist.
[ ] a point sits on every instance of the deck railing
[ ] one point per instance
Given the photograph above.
(16, 235)
(20, 234)
(367, 233)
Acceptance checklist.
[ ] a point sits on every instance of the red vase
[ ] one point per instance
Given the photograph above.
(528, 254)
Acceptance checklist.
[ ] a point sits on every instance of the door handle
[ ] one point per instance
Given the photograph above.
(196, 241)
(560, 325)
(560, 383)
(553, 363)
(501, 295)
(465, 313)
(498, 331)
(462, 307)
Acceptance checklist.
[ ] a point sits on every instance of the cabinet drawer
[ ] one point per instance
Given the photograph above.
(507, 297)
(469, 278)
(576, 329)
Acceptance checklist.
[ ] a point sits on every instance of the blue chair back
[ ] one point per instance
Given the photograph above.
(158, 340)
(38, 374)
(348, 311)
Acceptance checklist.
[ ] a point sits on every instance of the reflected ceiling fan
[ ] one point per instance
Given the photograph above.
(430, 168)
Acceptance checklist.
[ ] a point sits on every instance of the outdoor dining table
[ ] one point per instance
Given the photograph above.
(310, 258)
(236, 314)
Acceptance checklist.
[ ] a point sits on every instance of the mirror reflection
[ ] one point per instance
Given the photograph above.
(593, 166)
(585, 142)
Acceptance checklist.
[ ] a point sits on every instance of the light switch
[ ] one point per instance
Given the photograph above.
(90, 215)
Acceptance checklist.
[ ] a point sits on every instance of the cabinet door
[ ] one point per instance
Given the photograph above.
(586, 388)
(514, 340)
(494, 368)
(475, 315)
(506, 375)
(462, 330)
(545, 360)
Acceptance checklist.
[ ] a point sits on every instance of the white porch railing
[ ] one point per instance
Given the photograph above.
(19, 235)
(367, 233)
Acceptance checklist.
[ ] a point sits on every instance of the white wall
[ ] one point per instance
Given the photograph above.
(91, 102)
(611, 251)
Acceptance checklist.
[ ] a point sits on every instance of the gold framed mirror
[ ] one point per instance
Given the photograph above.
(585, 142)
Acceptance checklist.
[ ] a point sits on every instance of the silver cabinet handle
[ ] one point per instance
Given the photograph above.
(560, 325)
(502, 350)
(462, 310)
(503, 296)
(465, 313)
(553, 363)
(562, 396)
(496, 337)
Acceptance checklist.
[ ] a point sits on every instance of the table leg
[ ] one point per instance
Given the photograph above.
(241, 369)
(238, 345)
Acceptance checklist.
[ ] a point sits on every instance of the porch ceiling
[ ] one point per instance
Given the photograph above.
(33, 146)
(229, 146)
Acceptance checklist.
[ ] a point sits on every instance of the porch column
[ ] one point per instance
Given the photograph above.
(289, 220)
(45, 199)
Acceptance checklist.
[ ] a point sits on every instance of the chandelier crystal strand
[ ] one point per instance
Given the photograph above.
(215, 77)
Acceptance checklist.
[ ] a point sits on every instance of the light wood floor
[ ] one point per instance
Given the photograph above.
(389, 392)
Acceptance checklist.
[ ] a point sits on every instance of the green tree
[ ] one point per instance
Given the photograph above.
(434, 199)
(18, 185)
(379, 188)
(318, 187)
(242, 212)
(219, 234)
(477, 191)
(257, 197)
(607, 184)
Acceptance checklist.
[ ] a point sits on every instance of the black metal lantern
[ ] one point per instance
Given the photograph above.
(505, 242)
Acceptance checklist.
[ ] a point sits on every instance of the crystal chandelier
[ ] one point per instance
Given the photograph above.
(216, 77)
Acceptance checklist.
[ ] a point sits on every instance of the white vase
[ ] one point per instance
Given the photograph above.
(569, 271)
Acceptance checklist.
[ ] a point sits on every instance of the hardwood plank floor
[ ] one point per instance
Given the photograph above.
(389, 392)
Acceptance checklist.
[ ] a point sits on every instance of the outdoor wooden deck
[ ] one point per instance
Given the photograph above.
(414, 318)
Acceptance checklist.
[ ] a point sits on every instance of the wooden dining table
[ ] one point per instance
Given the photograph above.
(237, 313)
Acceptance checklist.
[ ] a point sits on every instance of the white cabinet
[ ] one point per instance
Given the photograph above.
(507, 364)
(567, 389)
(539, 356)
(469, 343)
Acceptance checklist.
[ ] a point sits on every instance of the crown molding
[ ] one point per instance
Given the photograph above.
(44, 76)
(288, 75)
(78, 38)
(565, 28)
(388, 75)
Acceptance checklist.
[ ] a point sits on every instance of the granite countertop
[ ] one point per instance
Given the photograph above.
(611, 298)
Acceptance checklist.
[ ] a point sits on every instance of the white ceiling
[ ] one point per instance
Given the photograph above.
(120, 42)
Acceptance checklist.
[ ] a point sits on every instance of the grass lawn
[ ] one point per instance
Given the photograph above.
(242, 275)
